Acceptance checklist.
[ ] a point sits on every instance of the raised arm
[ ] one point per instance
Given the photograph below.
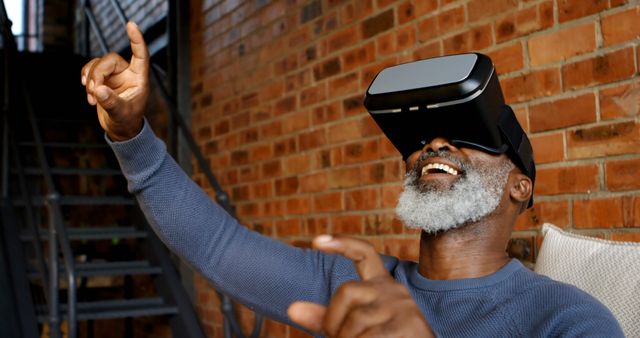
(261, 272)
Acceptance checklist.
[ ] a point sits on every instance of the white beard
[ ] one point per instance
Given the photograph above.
(474, 196)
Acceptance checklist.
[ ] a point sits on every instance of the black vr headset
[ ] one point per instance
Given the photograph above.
(457, 97)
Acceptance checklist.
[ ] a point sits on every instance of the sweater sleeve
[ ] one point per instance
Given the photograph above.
(262, 273)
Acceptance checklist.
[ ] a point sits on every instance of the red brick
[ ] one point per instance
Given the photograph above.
(363, 199)
(273, 208)
(606, 140)
(622, 175)
(406, 12)
(317, 226)
(298, 206)
(387, 149)
(348, 225)
(481, 9)
(314, 182)
(387, 171)
(353, 106)
(390, 195)
(598, 213)
(262, 190)
(358, 57)
(563, 113)
(326, 113)
(386, 43)
(555, 212)
(626, 236)
(289, 227)
(562, 44)
(287, 186)
(508, 59)
(297, 163)
(344, 84)
(450, 20)
(313, 95)
(328, 68)
(428, 29)
(403, 248)
(361, 151)
(312, 139)
(548, 147)
(285, 147)
(531, 85)
(472, 40)
(524, 22)
(332, 201)
(621, 27)
(377, 24)
(425, 7)
(406, 38)
(345, 177)
(606, 68)
(343, 39)
(564, 180)
(344, 131)
(356, 10)
(620, 101)
(296, 122)
(429, 50)
(574, 9)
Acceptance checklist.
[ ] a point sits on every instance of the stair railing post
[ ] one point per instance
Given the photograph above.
(54, 306)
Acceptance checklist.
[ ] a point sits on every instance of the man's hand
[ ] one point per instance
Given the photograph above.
(376, 306)
(120, 89)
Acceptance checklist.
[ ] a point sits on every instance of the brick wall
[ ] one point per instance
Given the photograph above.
(278, 88)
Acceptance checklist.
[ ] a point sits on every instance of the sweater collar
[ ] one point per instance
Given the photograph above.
(423, 283)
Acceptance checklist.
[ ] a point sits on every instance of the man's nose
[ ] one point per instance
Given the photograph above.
(438, 144)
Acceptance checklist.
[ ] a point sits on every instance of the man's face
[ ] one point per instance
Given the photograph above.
(446, 187)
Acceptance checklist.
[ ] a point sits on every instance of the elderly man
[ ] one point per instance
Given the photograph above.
(465, 197)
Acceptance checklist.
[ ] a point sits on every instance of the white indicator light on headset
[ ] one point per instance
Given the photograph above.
(414, 108)
(396, 110)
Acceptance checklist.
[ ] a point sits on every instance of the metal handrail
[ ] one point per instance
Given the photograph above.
(56, 227)
(221, 196)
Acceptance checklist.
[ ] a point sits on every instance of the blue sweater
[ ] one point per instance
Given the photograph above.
(267, 275)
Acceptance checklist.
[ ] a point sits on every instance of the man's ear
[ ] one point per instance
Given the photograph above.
(521, 189)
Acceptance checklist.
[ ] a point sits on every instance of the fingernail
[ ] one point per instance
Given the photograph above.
(90, 99)
(84, 80)
(91, 85)
(322, 239)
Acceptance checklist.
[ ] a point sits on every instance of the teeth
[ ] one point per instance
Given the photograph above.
(439, 166)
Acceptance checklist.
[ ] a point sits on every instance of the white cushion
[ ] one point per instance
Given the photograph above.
(608, 270)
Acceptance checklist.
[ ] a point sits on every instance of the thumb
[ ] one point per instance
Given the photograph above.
(308, 315)
(109, 100)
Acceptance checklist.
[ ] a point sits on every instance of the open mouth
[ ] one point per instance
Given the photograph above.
(439, 168)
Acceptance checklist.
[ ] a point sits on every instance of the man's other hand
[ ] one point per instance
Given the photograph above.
(375, 306)
(119, 89)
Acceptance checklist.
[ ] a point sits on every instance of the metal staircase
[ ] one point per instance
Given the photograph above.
(74, 244)
(47, 203)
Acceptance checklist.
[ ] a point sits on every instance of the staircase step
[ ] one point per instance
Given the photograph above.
(73, 171)
(81, 200)
(93, 269)
(120, 308)
(93, 233)
(67, 145)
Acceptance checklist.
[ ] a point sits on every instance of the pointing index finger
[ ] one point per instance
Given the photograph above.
(367, 261)
(139, 51)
